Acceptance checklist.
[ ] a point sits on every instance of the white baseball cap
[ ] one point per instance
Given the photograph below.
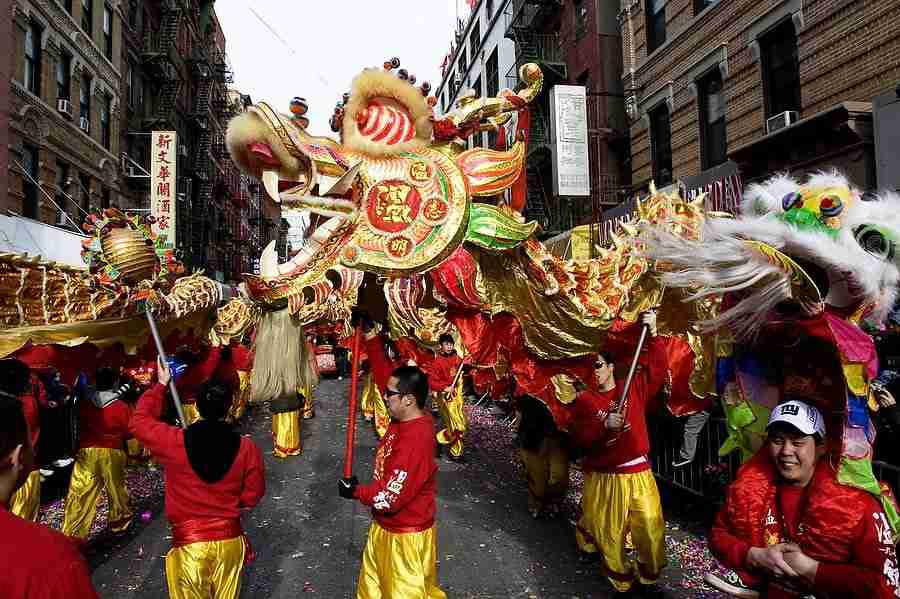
(802, 416)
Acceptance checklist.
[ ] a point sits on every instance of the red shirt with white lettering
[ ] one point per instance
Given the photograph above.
(403, 485)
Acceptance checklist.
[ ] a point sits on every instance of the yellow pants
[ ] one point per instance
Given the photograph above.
(239, 404)
(206, 570)
(450, 406)
(96, 468)
(191, 413)
(367, 400)
(613, 505)
(286, 434)
(547, 472)
(26, 501)
(309, 408)
(399, 566)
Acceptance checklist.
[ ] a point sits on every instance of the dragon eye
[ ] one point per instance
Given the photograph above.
(792, 200)
(830, 205)
(875, 242)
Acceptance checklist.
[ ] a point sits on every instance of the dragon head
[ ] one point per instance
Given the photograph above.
(392, 195)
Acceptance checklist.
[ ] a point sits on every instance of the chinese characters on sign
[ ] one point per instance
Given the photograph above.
(163, 183)
(568, 131)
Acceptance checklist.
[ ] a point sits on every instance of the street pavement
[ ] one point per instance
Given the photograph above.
(309, 540)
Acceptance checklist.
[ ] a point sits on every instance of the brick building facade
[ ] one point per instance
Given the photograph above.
(715, 88)
(64, 109)
(91, 79)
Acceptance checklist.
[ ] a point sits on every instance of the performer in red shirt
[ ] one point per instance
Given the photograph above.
(620, 494)
(212, 473)
(200, 369)
(14, 382)
(399, 560)
(38, 563)
(445, 382)
(790, 529)
(100, 463)
(382, 363)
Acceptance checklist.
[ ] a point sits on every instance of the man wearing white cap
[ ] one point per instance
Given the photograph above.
(789, 529)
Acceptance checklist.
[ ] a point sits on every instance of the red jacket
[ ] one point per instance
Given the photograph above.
(591, 407)
(188, 497)
(104, 427)
(190, 381)
(842, 527)
(403, 485)
(379, 363)
(442, 371)
(40, 563)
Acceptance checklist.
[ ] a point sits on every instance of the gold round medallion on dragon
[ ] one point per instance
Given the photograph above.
(127, 251)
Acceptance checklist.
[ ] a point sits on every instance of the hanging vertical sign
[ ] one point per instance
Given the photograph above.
(163, 186)
(568, 134)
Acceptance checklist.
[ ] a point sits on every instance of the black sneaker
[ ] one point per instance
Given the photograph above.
(732, 584)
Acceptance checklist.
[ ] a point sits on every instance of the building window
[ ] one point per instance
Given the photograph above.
(105, 198)
(463, 65)
(107, 31)
(105, 129)
(33, 58)
(133, 13)
(489, 8)
(84, 97)
(62, 182)
(581, 12)
(64, 76)
(701, 5)
(661, 143)
(451, 89)
(492, 76)
(656, 23)
(84, 182)
(87, 17)
(780, 69)
(67, 4)
(711, 97)
(30, 161)
(475, 38)
(477, 87)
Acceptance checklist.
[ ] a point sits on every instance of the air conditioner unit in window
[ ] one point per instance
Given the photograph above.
(64, 107)
(61, 218)
(84, 124)
(782, 120)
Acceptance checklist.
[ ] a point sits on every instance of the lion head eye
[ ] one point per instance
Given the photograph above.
(874, 241)
(830, 205)
(792, 200)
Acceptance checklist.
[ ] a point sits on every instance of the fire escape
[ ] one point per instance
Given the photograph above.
(531, 25)
(200, 164)
(160, 58)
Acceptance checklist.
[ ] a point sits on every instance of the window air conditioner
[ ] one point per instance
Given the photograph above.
(84, 124)
(64, 107)
(782, 120)
(61, 218)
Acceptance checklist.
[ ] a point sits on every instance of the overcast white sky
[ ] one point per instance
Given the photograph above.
(315, 47)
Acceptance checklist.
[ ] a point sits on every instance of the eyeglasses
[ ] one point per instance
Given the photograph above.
(390, 393)
(600, 364)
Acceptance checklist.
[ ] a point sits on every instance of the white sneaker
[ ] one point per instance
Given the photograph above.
(732, 584)
(63, 462)
(45, 472)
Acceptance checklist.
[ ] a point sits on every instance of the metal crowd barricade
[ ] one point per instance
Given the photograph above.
(709, 473)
